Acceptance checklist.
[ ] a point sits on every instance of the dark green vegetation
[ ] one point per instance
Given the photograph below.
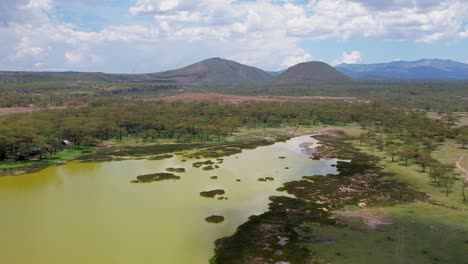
(11, 167)
(161, 157)
(201, 163)
(216, 152)
(162, 176)
(176, 170)
(266, 179)
(215, 219)
(212, 193)
(312, 73)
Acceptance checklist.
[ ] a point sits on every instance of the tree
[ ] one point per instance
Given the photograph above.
(424, 159)
(462, 139)
(438, 171)
(407, 152)
(448, 180)
(464, 189)
(393, 150)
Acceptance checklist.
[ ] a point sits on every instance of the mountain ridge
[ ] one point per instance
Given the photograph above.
(430, 69)
(221, 71)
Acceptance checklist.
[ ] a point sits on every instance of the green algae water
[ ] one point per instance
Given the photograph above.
(91, 213)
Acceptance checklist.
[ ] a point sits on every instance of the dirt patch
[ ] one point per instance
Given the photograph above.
(18, 110)
(344, 98)
(214, 97)
(240, 99)
(371, 220)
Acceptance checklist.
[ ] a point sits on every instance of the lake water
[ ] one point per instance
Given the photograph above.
(91, 213)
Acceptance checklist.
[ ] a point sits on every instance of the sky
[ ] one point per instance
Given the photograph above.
(140, 36)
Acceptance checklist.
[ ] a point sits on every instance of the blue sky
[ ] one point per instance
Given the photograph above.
(152, 35)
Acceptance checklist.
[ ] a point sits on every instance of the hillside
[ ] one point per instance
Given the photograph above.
(312, 73)
(210, 71)
(216, 70)
(428, 69)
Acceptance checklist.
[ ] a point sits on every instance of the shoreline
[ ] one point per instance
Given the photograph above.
(111, 154)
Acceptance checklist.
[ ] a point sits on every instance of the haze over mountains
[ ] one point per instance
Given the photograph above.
(427, 69)
(220, 71)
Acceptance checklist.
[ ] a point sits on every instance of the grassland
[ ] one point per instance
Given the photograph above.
(418, 232)
(413, 233)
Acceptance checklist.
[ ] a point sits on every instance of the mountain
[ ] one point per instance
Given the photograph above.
(427, 69)
(216, 70)
(313, 72)
(210, 71)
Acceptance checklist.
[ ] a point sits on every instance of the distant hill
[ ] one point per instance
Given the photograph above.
(428, 69)
(210, 71)
(314, 72)
(216, 70)
(275, 73)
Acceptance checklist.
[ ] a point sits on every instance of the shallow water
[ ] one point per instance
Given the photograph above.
(91, 213)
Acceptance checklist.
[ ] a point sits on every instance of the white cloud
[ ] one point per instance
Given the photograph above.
(40, 4)
(73, 57)
(463, 34)
(293, 60)
(348, 58)
(424, 21)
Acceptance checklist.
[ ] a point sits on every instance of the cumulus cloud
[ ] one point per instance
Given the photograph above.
(393, 20)
(349, 58)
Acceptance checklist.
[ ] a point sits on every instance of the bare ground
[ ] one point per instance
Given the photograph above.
(18, 110)
(459, 166)
(240, 99)
(214, 97)
(371, 220)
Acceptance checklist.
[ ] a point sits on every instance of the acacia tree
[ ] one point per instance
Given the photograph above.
(462, 139)
(407, 152)
(464, 189)
(393, 150)
(424, 159)
(448, 180)
(438, 171)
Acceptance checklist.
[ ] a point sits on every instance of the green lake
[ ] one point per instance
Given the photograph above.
(90, 212)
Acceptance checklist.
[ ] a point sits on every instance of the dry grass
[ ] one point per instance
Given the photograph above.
(463, 117)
